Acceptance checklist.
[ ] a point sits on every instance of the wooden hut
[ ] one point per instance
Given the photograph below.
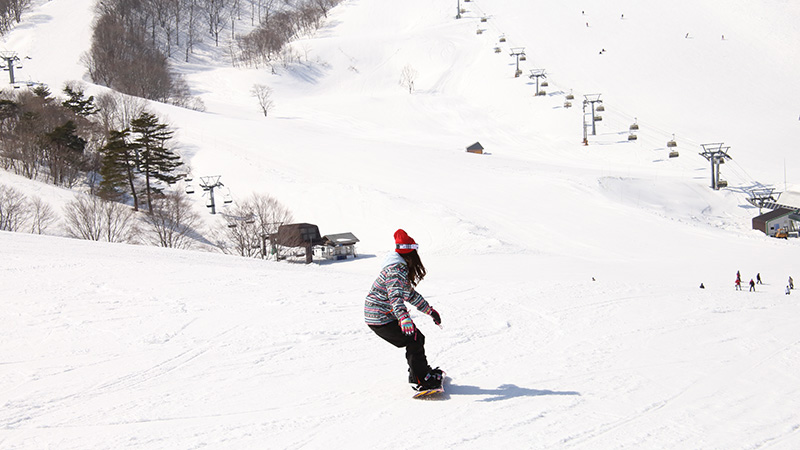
(475, 148)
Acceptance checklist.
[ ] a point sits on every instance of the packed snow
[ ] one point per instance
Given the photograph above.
(567, 276)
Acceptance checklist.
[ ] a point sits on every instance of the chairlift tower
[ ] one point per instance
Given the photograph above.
(590, 99)
(209, 184)
(458, 11)
(538, 73)
(10, 62)
(717, 154)
(519, 52)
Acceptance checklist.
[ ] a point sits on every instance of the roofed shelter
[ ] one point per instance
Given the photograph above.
(475, 148)
(301, 235)
(339, 246)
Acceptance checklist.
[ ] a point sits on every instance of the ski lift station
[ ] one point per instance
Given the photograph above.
(338, 246)
(772, 222)
(306, 236)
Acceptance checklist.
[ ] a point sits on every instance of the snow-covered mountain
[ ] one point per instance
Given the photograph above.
(566, 275)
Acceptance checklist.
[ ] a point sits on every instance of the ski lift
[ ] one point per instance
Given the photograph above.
(634, 126)
(227, 199)
(497, 50)
(673, 154)
(522, 57)
(209, 203)
(600, 108)
(567, 104)
(502, 38)
(484, 19)
(189, 189)
(542, 92)
(187, 178)
(672, 143)
(480, 31)
(517, 73)
(545, 84)
(632, 137)
(570, 96)
(231, 224)
(598, 118)
(722, 183)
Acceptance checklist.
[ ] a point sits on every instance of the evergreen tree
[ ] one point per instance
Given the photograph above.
(77, 103)
(118, 166)
(156, 161)
(65, 155)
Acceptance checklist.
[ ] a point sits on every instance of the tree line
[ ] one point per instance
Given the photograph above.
(133, 40)
(11, 13)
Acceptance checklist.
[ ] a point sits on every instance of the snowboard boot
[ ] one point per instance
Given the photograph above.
(431, 380)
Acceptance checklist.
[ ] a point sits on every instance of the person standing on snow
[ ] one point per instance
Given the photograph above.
(758, 278)
(791, 283)
(385, 311)
(738, 283)
(752, 285)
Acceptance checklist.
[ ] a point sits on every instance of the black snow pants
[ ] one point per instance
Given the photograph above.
(414, 344)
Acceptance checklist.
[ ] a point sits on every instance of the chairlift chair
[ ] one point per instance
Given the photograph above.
(523, 57)
(634, 126)
(545, 84)
(673, 154)
(479, 31)
(600, 108)
(189, 189)
(598, 118)
(484, 19)
(542, 92)
(722, 183)
(570, 96)
(502, 38)
(517, 73)
(671, 144)
(497, 50)
(567, 104)
(632, 137)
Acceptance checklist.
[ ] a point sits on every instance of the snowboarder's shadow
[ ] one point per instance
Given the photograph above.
(503, 392)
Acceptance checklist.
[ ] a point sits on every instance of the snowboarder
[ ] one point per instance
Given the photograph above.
(738, 284)
(385, 311)
(752, 285)
(758, 278)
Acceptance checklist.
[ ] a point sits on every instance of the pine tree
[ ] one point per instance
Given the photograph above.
(118, 166)
(77, 103)
(65, 153)
(156, 161)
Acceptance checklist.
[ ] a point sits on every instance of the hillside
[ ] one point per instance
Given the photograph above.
(566, 275)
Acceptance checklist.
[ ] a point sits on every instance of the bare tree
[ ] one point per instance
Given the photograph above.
(14, 209)
(172, 222)
(43, 215)
(407, 77)
(253, 220)
(264, 96)
(92, 218)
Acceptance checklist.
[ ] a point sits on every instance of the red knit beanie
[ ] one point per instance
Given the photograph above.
(403, 242)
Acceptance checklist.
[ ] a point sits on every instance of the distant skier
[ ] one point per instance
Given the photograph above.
(788, 291)
(738, 283)
(758, 278)
(701, 286)
(791, 283)
(752, 285)
(385, 311)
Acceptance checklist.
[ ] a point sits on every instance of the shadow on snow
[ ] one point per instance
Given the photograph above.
(503, 392)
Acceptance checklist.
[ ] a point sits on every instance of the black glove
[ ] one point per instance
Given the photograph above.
(436, 318)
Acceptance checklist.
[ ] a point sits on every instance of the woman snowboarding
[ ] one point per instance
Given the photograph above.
(386, 314)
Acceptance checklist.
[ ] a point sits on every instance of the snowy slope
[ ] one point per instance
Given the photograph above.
(114, 346)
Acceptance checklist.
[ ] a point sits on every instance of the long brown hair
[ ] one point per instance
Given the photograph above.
(416, 271)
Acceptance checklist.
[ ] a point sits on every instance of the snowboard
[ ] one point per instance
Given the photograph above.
(431, 393)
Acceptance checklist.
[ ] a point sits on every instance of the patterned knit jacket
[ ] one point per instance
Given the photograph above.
(385, 302)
